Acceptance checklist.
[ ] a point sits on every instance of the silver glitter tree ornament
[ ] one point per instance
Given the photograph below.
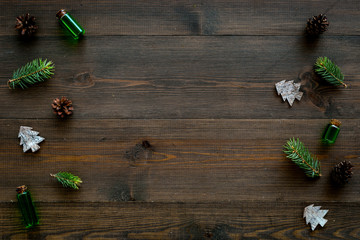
(315, 216)
(29, 139)
(289, 91)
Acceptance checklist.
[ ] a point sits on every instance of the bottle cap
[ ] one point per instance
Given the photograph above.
(60, 13)
(21, 189)
(335, 122)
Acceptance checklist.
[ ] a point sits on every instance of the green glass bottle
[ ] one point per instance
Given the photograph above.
(27, 207)
(331, 132)
(68, 22)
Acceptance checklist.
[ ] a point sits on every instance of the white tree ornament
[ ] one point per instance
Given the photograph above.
(29, 139)
(289, 91)
(315, 216)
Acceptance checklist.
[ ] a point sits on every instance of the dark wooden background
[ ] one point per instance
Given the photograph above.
(196, 79)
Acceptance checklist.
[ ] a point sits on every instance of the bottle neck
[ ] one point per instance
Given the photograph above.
(21, 189)
(335, 122)
(60, 13)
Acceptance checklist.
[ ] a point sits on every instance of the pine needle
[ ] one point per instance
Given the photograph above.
(33, 72)
(329, 71)
(301, 156)
(67, 179)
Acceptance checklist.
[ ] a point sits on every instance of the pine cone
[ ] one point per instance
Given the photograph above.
(317, 25)
(26, 25)
(342, 172)
(62, 107)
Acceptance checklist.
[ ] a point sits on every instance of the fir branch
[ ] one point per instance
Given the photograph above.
(329, 71)
(301, 156)
(67, 179)
(33, 72)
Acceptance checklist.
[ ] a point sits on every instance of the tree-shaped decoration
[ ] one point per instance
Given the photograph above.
(29, 139)
(289, 91)
(315, 216)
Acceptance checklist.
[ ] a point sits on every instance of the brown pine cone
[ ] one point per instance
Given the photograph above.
(62, 107)
(316, 25)
(341, 172)
(26, 25)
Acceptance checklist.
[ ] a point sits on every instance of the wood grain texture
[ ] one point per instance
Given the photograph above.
(195, 79)
(182, 77)
(195, 17)
(192, 160)
(227, 220)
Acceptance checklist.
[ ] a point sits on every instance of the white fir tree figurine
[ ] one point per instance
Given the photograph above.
(29, 139)
(289, 91)
(315, 216)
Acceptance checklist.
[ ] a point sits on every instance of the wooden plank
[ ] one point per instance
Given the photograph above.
(228, 220)
(182, 78)
(214, 17)
(193, 160)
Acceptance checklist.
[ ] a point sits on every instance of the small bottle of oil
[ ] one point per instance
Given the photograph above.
(68, 22)
(27, 207)
(331, 132)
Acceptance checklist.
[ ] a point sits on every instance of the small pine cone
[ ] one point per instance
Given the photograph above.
(62, 107)
(316, 25)
(26, 25)
(341, 172)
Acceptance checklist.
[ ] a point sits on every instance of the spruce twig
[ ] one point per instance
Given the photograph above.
(300, 155)
(329, 71)
(67, 179)
(33, 72)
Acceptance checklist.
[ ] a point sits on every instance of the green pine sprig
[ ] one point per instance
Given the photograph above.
(301, 156)
(33, 72)
(67, 179)
(329, 71)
